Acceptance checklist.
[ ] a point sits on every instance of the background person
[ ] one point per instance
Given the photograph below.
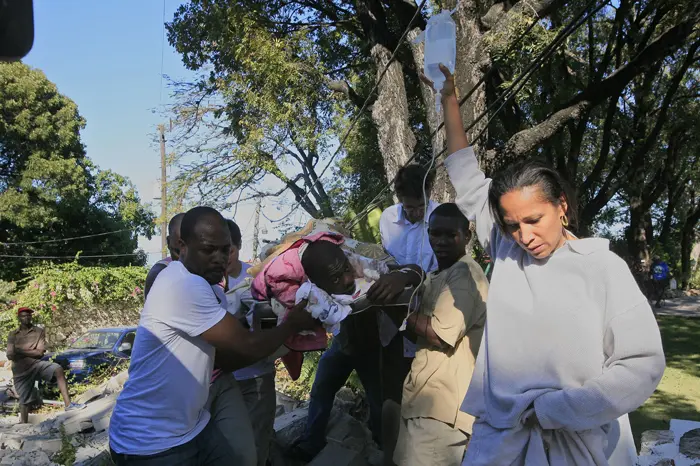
(660, 278)
(25, 348)
(172, 240)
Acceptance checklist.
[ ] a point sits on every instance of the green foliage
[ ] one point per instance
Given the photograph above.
(261, 106)
(7, 292)
(301, 388)
(66, 455)
(694, 282)
(49, 189)
(367, 229)
(69, 296)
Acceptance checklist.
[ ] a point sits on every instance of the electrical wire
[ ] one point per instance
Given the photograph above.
(162, 56)
(76, 256)
(22, 243)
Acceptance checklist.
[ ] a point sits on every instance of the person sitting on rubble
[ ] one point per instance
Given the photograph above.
(25, 348)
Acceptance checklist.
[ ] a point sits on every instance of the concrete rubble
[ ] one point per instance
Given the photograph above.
(678, 446)
(40, 440)
(349, 441)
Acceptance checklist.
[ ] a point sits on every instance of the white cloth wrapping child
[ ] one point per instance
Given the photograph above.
(330, 310)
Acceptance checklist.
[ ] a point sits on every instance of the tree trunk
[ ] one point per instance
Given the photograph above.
(390, 114)
(472, 62)
(637, 237)
(688, 234)
(443, 191)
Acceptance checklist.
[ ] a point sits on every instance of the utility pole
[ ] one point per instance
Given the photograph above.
(256, 231)
(163, 194)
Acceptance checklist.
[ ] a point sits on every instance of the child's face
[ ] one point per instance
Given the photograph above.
(339, 279)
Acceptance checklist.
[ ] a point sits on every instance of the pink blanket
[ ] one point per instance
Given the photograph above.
(281, 279)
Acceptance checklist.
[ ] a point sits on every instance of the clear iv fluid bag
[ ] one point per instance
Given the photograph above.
(440, 47)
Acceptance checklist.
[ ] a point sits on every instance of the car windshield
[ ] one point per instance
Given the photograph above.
(96, 340)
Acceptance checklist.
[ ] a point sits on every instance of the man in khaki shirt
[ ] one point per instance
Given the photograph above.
(448, 324)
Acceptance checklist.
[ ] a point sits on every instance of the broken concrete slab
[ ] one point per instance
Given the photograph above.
(27, 458)
(11, 441)
(101, 423)
(658, 443)
(75, 426)
(680, 427)
(48, 445)
(689, 444)
(89, 395)
(36, 419)
(286, 403)
(345, 430)
(116, 383)
(82, 420)
(290, 426)
(89, 456)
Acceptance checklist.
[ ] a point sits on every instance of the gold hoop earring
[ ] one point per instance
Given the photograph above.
(564, 221)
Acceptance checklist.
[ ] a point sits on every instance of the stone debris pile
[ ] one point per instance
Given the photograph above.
(678, 446)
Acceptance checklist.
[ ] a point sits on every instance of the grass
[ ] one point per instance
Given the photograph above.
(678, 394)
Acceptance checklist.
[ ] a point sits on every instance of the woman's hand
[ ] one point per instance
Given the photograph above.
(448, 88)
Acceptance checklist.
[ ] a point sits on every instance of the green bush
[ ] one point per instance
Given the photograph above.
(70, 299)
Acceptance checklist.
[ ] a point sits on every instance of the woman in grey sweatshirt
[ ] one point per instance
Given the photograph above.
(571, 345)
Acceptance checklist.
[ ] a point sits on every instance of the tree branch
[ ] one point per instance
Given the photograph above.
(527, 140)
(342, 87)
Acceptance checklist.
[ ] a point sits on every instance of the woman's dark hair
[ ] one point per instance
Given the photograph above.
(236, 238)
(409, 181)
(527, 173)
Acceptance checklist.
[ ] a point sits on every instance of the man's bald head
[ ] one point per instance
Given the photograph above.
(205, 243)
(173, 238)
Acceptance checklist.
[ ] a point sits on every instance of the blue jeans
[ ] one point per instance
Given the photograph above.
(209, 448)
(333, 371)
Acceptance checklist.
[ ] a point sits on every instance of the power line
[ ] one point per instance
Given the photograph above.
(75, 256)
(289, 214)
(505, 97)
(162, 55)
(22, 243)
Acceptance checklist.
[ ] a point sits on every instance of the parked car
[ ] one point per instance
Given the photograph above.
(95, 349)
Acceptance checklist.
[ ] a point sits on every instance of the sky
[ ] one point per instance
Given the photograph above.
(108, 57)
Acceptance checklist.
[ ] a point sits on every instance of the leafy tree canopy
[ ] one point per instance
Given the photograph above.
(49, 189)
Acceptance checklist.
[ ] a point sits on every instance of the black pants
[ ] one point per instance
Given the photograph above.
(394, 370)
(209, 448)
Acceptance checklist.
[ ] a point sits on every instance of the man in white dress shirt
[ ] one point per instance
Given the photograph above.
(404, 233)
(404, 226)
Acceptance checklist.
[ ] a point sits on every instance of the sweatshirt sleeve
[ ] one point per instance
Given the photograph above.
(631, 372)
(472, 188)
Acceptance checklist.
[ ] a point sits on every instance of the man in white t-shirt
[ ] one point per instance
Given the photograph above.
(159, 418)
